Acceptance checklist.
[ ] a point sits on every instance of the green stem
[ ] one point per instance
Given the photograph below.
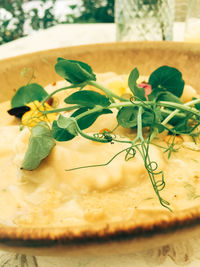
(184, 107)
(61, 89)
(179, 107)
(100, 108)
(98, 165)
(90, 111)
(122, 141)
(169, 112)
(139, 126)
(110, 94)
(143, 149)
(126, 104)
(87, 136)
(60, 109)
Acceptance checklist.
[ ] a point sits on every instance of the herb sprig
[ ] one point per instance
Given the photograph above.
(158, 111)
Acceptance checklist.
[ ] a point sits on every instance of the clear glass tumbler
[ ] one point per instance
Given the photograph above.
(181, 10)
(144, 20)
(192, 27)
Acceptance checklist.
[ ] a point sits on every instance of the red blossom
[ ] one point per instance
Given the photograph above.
(147, 88)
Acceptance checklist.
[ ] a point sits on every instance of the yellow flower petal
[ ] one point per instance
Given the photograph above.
(35, 115)
(117, 85)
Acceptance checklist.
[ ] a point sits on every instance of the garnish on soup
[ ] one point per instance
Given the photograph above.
(149, 109)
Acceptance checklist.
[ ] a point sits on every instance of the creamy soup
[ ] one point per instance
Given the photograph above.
(51, 195)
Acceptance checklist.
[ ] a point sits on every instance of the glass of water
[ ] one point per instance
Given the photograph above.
(144, 20)
(192, 27)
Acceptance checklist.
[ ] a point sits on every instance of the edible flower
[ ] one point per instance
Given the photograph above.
(105, 130)
(118, 84)
(36, 115)
(147, 88)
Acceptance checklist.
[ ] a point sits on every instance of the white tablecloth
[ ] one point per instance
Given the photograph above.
(167, 256)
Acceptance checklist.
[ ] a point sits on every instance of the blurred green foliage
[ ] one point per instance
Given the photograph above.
(88, 12)
(47, 20)
(94, 11)
(14, 7)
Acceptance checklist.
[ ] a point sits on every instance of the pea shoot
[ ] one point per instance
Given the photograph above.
(158, 109)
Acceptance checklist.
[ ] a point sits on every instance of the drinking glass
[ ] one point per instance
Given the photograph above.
(192, 27)
(144, 20)
(181, 10)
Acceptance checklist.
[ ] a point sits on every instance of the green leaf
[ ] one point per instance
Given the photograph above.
(88, 120)
(160, 128)
(69, 124)
(197, 106)
(182, 126)
(127, 117)
(148, 118)
(162, 95)
(167, 96)
(64, 129)
(88, 98)
(27, 94)
(138, 92)
(153, 118)
(73, 71)
(176, 119)
(60, 134)
(167, 78)
(40, 144)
